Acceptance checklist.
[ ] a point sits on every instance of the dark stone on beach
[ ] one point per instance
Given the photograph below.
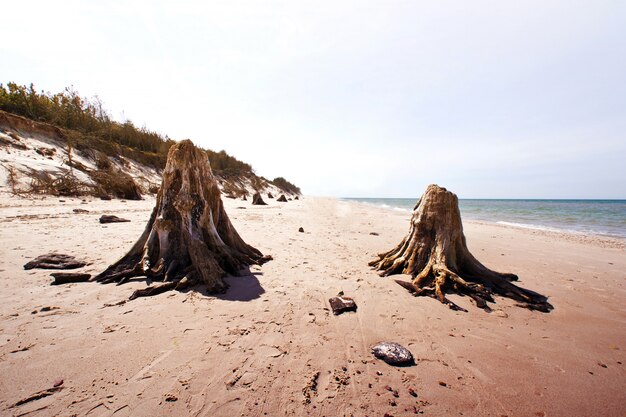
(301, 230)
(282, 198)
(55, 261)
(342, 304)
(393, 353)
(105, 218)
(69, 277)
(257, 200)
(80, 211)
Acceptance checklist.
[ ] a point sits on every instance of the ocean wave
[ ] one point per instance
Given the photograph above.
(556, 229)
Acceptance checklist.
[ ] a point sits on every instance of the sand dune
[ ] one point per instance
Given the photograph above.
(270, 346)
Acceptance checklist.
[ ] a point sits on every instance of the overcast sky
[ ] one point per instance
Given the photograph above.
(502, 99)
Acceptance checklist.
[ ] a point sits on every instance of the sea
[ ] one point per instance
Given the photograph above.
(594, 217)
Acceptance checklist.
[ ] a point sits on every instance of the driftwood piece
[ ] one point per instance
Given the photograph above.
(69, 277)
(55, 261)
(393, 354)
(257, 200)
(435, 254)
(106, 218)
(342, 304)
(189, 238)
(282, 198)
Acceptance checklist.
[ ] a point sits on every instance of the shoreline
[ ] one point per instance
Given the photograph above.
(599, 239)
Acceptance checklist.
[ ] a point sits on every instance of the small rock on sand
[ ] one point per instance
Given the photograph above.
(105, 218)
(393, 354)
(342, 304)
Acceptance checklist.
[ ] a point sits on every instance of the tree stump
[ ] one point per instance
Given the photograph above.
(435, 254)
(189, 238)
(257, 200)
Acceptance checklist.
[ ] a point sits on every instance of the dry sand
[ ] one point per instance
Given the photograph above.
(270, 346)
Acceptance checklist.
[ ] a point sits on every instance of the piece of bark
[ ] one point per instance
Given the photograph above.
(282, 198)
(105, 218)
(69, 277)
(342, 304)
(257, 200)
(55, 261)
(393, 354)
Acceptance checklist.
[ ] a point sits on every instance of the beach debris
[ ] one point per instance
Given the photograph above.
(55, 261)
(282, 198)
(170, 398)
(80, 211)
(341, 304)
(257, 200)
(109, 218)
(393, 354)
(269, 195)
(38, 395)
(374, 234)
(435, 254)
(301, 230)
(189, 238)
(69, 277)
(310, 390)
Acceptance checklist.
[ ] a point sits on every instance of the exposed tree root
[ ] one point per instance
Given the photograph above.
(189, 239)
(435, 254)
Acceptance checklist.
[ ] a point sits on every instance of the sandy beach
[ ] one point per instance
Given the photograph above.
(271, 347)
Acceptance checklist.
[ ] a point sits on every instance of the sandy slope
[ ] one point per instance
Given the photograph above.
(256, 349)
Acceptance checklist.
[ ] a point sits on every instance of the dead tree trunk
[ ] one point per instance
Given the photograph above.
(435, 254)
(189, 239)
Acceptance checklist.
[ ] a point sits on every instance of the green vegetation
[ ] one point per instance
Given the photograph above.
(285, 185)
(88, 127)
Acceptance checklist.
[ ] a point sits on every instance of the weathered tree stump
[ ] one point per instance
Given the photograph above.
(189, 238)
(282, 198)
(435, 254)
(257, 200)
